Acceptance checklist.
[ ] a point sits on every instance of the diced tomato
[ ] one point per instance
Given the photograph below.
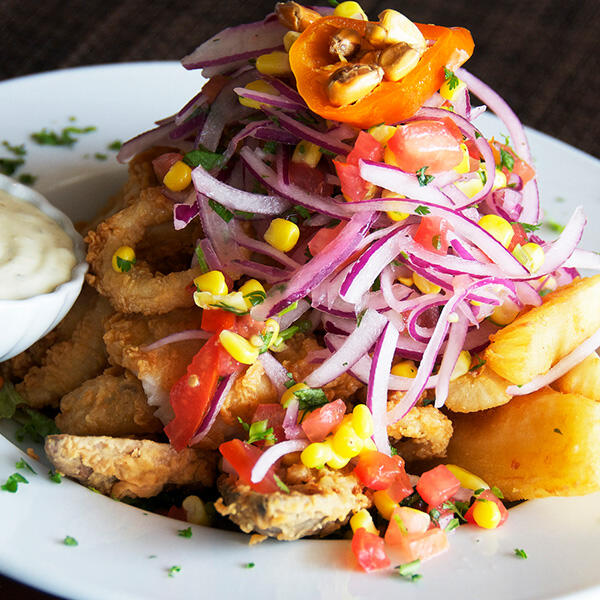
(323, 237)
(246, 326)
(322, 421)
(242, 457)
(177, 512)
(524, 170)
(519, 236)
(365, 147)
(446, 515)
(437, 485)
(401, 488)
(430, 144)
(161, 164)
(216, 320)
(432, 234)
(488, 495)
(311, 180)
(369, 550)
(273, 414)
(404, 521)
(377, 470)
(421, 546)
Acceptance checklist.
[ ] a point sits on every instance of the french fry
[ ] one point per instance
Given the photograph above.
(477, 390)
(582, 379)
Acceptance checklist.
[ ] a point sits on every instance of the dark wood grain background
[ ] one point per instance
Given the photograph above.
(542, 56)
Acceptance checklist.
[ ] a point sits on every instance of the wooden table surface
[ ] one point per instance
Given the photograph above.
(542, 56)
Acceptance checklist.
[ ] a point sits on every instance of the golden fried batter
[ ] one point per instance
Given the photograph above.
(110, 404)
(128, 468)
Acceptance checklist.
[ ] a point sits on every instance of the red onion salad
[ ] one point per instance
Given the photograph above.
(358, 286)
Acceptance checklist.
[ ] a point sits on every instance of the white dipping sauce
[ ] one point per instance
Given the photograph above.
(36, 255)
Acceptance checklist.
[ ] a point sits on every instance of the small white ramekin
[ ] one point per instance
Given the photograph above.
(24, 322)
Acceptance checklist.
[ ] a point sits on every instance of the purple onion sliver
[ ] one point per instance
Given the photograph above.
(272, 454)
(181, 336)
(275, 371)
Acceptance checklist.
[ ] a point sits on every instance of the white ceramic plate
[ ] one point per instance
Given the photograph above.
(124, 553)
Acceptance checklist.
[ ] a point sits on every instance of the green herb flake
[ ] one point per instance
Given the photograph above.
(479, 364)
(557, 430)
(284, 488)
(243, 214)
(258, 431)
(327, 152)
(310, 398)
(287, 309)
(554, 226)
(333, 3)
(223, 212)
(125, 265)
(23, 464)
(401, 525)
(66, 137)
(70, 541)
(408, 570)
(12, 483)
(300, 327)
(436, 242)
(302, 211)
(451, 79)
(359, 317)
(256, 297)
(559, 199)
(174, 570)
(270, 147)
(100, 156)
(422, 178)
(34, 425)
(9, 165)
(458, 508)
(290, 382)
(152, 556)
(477, 135)
(422, 210)
(204, 158)
(520, 553)
(478, 491)
(16, 150)
(201, 259)
(507, 159)
(249, 565)
(482, 176)
(115, 146)
(497, 492)
(186, 533)
(56, 477)
(453, 524)
(9, 399)
(232, 309)
(434, 515)
(529, 227)
(27, 178)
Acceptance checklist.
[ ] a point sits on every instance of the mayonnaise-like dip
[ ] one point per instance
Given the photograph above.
(36, 255)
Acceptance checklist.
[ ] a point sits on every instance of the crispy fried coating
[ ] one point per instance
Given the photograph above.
(582, 379)
(542, 444)
(477, 390)
(139, 290)
(128, 468)
(159, 369)
(66, 365)
(319, 505)
(110, 404)
(538, 339)
(424, 432)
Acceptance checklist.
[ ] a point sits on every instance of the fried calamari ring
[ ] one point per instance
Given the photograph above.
(138, 290)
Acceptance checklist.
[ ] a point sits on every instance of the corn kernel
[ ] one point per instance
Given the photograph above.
(531, 256)
(464, 166)
(307, 153)
(195, 511)
(346, 443)
(467, 479)
(362, 421)
(389, 157)
(426, 287)
(315, 455)
(238, 347)
(350, 10)
(470, 187)
(463, 364)
(505, 313)
(289, 38)
(271, 326)
(362, 519)
(178, 177)
(257, 86)
(406, 368)
(384, 504)
(212, 282)
(275, 63)
(407, 281)
(499, 180)
(450, 94)
(498, 228)
(282, 234)
(337, 462)
(382, 133)
(486, 514)
(126, 258)
(394, 215)
(369, 445)
(252, 292)
(289, 393)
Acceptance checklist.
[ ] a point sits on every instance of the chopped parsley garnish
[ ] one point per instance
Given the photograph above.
(359, 317)
(115, 146)
(333, 223)
(174, 570)
(544, 292)
(66, 137)
(16, 150)
(258, 431)
(100, 156)
(56, 477)
(201, 259)
(23, 464)
(204, 158)
(479, 364)
(284, 488)
(409, 570)
(507, 159)
(309, 399)
(477, 135)
(497, 492)
(223, 212)
(290, 382)
(302, 211)
(9, 399)
(186, 533)
(422, 210)
(12, 483)
(401, 525)
(559, 199)
(393, 451)
(70, 541)
(457, 507)
(249, 565)
(299, 327)
(436, 242)
(557, 430)
(529, 227)
(307, 253)
(9, 165)
(34, 425)
(327, 152)
(554, 226)
(27, 178)
(243, 214)
(232, 309)
(270, 147)
(453, 524)
(434, 515)
(520, 553)
(125, 265)
(266, 339)
(482, 176)
(451, 79)
(422, 178)
(333, 3)
(256, 297)
(287, 309)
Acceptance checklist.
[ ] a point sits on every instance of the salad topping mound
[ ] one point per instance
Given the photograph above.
(366, 274)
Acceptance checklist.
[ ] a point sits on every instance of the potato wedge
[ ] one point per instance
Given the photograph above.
(582, 379)
(477, 390)
(535, 341)
(542, 444)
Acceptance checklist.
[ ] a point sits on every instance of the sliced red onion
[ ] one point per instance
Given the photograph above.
(188, 127)
(275, 135)
(216, 403)
(286, 90)
(454, 346)
(506, 202)
(260, 271)
(527, 295)
(212, 260)
(564, 365)
(583, 259)
(185, 212)
(154, 137)
(181, 336)
(293, 315)
(249, 130)
(192, 105)
(532, 210)
(226, 46)
(416, 332)
(317, 269)
(358, 343)
(275, 371)
(272, 454)
(377, 391)
(292, 430)
(269, 99)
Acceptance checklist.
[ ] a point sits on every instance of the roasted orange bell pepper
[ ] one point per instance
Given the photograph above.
(390, 102)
